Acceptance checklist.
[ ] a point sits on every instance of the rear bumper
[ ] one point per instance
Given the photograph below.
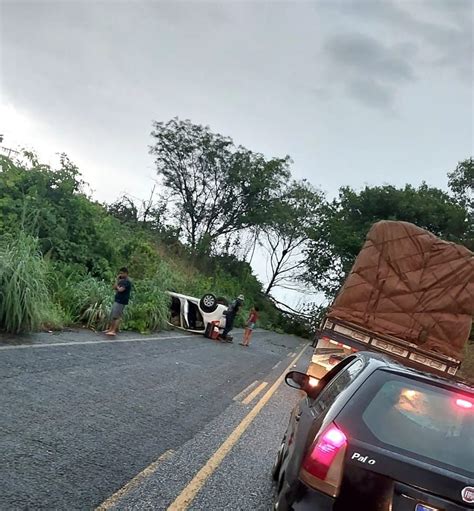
(307, 499)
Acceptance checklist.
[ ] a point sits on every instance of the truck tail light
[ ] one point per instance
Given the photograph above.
(323, 465)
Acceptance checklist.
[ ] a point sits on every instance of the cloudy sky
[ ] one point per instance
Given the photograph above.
(357, 92)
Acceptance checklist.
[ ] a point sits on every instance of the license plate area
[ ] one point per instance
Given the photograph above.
(424, 507)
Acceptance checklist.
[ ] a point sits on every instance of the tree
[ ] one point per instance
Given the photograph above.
(461, 183)
(337, 239)
(286, 233)
(214, 187)
(148, 213)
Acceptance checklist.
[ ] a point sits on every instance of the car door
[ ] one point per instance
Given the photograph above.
(309, 414)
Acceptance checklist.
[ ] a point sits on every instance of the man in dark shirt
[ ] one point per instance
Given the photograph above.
(232, 312)
(123, 288)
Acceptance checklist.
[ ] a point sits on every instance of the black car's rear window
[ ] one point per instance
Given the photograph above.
(427, 421)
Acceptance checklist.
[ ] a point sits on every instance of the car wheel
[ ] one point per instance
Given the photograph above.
(277, 464)
(208, 303)
(280, 503)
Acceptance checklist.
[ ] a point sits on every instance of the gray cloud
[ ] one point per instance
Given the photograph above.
(366, 55)
(370, 69)
(371, 92)
(445, 28)
(396, 44)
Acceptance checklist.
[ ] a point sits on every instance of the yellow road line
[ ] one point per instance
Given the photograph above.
(186, 497)
(255, 393)
(139, 478)
(247, 389)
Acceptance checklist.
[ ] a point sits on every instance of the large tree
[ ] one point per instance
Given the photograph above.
(285, 235)
(214, 187)
(338, 237)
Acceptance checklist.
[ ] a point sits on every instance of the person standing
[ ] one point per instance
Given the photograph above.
(251, 321)
(123, 288)
(232, 312)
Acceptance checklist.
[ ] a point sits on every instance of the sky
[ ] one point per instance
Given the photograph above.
(356, 92)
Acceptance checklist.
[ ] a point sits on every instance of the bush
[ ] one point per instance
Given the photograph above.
(149, 306)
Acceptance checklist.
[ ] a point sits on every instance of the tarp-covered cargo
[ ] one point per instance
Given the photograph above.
(408, 283)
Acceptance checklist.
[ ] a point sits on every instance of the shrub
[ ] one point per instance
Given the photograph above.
(149, 306)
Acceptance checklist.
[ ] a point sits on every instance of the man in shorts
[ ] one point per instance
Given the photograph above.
(123, 288)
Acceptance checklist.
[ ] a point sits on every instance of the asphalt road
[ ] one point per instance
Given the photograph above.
(85, 420)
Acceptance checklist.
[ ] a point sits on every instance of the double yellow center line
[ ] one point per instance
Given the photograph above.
(188, 494)
(186, 497)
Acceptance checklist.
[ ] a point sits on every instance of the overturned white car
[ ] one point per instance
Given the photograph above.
(194, 314)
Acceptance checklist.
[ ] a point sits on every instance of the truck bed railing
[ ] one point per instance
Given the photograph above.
(356, 337)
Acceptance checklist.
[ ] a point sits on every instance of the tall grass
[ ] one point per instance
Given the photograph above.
(24, 298)
(83, 298)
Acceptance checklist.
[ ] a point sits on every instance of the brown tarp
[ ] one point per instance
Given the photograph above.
(408, 283)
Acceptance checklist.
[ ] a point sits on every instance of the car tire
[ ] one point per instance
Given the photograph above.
(280, 503)
(208, 303)
(277, 464)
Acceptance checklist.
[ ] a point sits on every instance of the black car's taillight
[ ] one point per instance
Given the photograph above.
(323, 465)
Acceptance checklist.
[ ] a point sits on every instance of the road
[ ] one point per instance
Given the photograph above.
(129, 424)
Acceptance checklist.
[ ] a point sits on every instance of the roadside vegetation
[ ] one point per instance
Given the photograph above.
(214, 208)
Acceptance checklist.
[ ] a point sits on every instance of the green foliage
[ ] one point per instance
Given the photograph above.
(338, 237)
(81, 297)
(24, 299)
(60, 250)
(461, 182)
(51, 205)
(149, 308)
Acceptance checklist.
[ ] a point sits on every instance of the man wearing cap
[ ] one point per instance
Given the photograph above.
(232, 312)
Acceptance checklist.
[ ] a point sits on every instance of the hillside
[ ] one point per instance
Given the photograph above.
(60, 251)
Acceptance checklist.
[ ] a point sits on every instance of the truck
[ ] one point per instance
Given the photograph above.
(409, 294)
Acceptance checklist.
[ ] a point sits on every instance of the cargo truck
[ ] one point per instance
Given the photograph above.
(409, 295)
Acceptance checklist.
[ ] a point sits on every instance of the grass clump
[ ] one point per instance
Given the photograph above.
(25, 304)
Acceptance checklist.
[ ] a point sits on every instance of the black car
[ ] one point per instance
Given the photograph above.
(373, 435)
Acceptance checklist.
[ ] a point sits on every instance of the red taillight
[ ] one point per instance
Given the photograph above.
(464, 403)
(322, 467)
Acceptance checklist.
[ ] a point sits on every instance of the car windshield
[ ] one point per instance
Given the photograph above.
(431, 422)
